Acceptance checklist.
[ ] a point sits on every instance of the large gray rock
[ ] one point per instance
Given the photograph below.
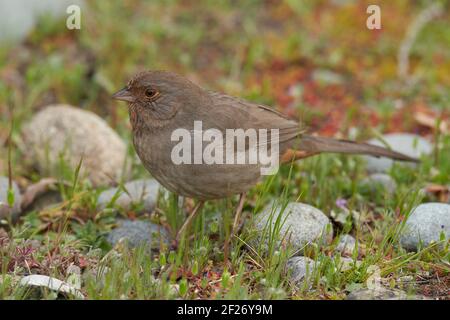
(5, 210)
(136, 233)
(425, 224)
(409, 144)
(137, 192)
(299, 268)
(62, 130)
(302, 223)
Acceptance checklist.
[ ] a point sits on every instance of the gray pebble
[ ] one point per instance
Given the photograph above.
(409, 144)
(298, 268)
(425, 224)
(303, 223)
(346, 244)
(5, 210)
(136, 233)
(138, 191)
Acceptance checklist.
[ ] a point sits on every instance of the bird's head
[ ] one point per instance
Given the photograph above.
(159, 95)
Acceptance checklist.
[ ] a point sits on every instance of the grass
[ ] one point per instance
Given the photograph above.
(219, 46)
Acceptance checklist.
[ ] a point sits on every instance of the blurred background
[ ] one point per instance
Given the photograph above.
(311, 59)
(316, 61)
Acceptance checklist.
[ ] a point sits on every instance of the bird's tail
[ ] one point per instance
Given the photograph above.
(316, 145)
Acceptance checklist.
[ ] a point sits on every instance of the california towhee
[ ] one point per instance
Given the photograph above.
(161, 102)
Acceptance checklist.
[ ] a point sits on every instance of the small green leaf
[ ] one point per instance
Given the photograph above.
(10, 197)
(162, 259)
(195, 268)
(172, 257)
(183, 287)
(214, 227)
(225, 279)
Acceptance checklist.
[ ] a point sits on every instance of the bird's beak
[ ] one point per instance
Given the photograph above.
(124, 95)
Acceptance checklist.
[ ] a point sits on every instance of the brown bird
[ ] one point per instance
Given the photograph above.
(161, 102)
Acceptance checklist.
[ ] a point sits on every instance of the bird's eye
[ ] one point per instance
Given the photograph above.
(151, 93)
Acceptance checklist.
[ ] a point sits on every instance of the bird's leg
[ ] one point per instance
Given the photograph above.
(226, 247)
(189, 219)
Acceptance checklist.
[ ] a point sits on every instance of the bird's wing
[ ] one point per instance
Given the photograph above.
(229, 112)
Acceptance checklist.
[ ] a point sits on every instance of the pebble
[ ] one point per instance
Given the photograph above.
(303, 223)
(43, 281)
(425, 224)
(136, 233)
(138, 192)
(346, 244)
(298, 268)
(409, 144)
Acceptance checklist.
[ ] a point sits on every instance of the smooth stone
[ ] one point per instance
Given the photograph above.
(409, 144)
(377, 180)
(42, 281)
(139, 191)
(5, 210)
(303, 223)
(298, 268)
(425, 224)
(382, 294)
(136, 233)
(74, 133)
(346, 244)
